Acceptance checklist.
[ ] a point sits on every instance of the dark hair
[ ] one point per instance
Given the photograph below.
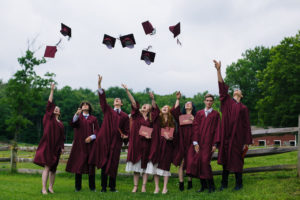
(87, 103)
(118, 98)
(209, 95)
(183, 111)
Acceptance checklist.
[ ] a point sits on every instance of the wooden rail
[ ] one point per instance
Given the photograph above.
(250, 153)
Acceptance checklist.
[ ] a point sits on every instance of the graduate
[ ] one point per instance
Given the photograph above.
(183, 139)
(107, 147)
(141, 147)
(235, 134)
(85, 127)
(166, 146)
(51, 145)
(206, 128)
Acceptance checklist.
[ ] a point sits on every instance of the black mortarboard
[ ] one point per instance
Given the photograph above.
(65, 30)
(127, 41)
(175, 29)
(148, 28)
(50, 51)
(148, 56)
(109, 41)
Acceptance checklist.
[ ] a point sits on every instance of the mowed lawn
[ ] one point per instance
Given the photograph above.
(263, 185)
(266, 185)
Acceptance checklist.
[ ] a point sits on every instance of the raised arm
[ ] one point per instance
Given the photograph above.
(178, 96)
(133, 103)
(51, 93)
(152, 99)
(218, 67)
(102, 98)
(50, 105)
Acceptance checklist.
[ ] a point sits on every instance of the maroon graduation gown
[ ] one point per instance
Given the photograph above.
(166, 148)
(80, 153)
(107, 147)
(139, 147)
(182, 141)
(155, 138)
(206, 133)
(235, 131)
(52, 141)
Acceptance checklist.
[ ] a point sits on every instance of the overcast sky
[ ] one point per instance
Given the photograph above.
(210, 29)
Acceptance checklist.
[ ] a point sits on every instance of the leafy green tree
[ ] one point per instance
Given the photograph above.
(23, 94)
(242, 75)
(280, 85)
(4, 134)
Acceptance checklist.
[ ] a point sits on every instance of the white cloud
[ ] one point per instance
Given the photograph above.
(210, 29)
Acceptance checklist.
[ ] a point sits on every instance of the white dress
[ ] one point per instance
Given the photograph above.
(130, 167)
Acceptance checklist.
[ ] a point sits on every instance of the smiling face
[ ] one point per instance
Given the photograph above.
(118, 102)
(237, 93)
(56, 110)
(165, 109)
(188, 105)
(145, 108)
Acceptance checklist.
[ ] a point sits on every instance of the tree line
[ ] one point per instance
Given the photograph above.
(267, 76)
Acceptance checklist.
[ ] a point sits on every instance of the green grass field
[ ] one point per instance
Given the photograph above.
(267, 185)
(264, 185)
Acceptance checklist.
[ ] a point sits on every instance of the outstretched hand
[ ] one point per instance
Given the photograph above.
(178, 95)
(124, 86)
(217, 64)
(99, 80)
(151, 95)
(52, 86)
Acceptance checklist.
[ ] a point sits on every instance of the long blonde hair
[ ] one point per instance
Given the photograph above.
(149, 113)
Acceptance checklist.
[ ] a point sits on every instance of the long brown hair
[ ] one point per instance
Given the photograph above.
(169, 122)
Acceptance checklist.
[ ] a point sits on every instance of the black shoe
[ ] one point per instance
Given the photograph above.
(223, 187)
(201, 190)
(113, 190)
(181, 186)
(210, 190)
(103, 190)
(238, 187)
(77, 190)
(190, 185)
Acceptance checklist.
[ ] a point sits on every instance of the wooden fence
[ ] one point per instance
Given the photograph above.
(13, 159)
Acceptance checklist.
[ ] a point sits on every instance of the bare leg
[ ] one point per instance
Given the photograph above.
(156, 180)
(145, 179)
(51, 181)
(165, 189)
(180, 172)
(135, 182)
(45, 179)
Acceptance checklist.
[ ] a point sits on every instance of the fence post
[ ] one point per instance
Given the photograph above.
(13, 158)
(298, 143)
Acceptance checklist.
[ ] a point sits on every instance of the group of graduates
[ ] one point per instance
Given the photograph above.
(156, 138)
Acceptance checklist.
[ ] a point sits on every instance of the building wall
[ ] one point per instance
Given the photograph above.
(270, 140)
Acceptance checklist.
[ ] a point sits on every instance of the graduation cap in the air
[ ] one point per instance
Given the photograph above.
(65, 30)
(148, 56)
(176, 31)
(127, 41)
(50, 51)
(109, 41)
(148, 28)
